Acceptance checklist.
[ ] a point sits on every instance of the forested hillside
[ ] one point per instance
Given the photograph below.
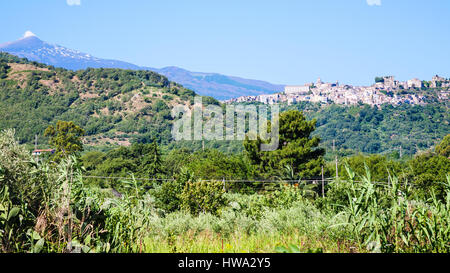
(144, 198)
(371, 130)
(367, 129)
(119, 107)
(114, 106)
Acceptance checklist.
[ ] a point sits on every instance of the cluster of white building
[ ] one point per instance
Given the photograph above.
(386, 90)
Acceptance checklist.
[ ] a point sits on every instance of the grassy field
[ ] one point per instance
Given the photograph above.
(209, 242)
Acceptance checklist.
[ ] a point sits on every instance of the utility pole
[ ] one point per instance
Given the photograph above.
(400, 151)
(36, 145)
(336, 158)
(323, 184)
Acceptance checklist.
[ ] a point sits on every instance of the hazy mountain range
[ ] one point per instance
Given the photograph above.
(208, 84)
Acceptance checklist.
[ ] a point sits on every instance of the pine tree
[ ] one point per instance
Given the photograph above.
(297, 148)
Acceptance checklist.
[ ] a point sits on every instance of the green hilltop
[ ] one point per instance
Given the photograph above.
(114, 106)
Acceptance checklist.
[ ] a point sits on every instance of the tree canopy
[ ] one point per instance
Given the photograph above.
(297, 148)
(65, 137)
(443, 148)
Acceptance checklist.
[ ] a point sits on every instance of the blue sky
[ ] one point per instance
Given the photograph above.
(282, 41)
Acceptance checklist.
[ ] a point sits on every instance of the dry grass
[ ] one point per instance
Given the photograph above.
(15, 67)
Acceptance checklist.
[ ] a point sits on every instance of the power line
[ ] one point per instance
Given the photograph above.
(312, 181)
(128, 178)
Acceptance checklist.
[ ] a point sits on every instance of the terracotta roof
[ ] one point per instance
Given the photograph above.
(43, 151)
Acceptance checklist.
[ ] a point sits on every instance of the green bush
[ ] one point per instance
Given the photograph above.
(168, 194)
(43, 207)
(443, 148)
(428, 172)
(203, 197)
(21, 193)
(254, 205)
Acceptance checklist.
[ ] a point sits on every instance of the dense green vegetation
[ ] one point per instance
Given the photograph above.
(50, 207)
(404, 129)
(372, 130)
(297, 149)
(112, 105)
(120, 107)
(153, 195)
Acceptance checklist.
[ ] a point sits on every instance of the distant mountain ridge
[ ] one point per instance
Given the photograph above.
(207, 84)
(215, 85)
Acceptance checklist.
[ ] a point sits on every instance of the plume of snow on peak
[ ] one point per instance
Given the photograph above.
(374, 2)
(29, 34)
(74, 2)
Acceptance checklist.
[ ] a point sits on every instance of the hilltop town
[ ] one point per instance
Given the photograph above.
(386, 90)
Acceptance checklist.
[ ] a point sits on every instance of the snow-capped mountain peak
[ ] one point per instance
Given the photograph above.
(33, 48)
(208, 84)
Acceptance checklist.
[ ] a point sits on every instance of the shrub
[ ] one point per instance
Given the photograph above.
(203, 197)
(42, 207)
(404, 225)
(255, 205)
(168, 195)
(428, 173)
(20, 193)
(443, 148)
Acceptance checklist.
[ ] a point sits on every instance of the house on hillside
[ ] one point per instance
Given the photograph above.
(41, 152)
(296, 89)
(437, 81)
(415, 83)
